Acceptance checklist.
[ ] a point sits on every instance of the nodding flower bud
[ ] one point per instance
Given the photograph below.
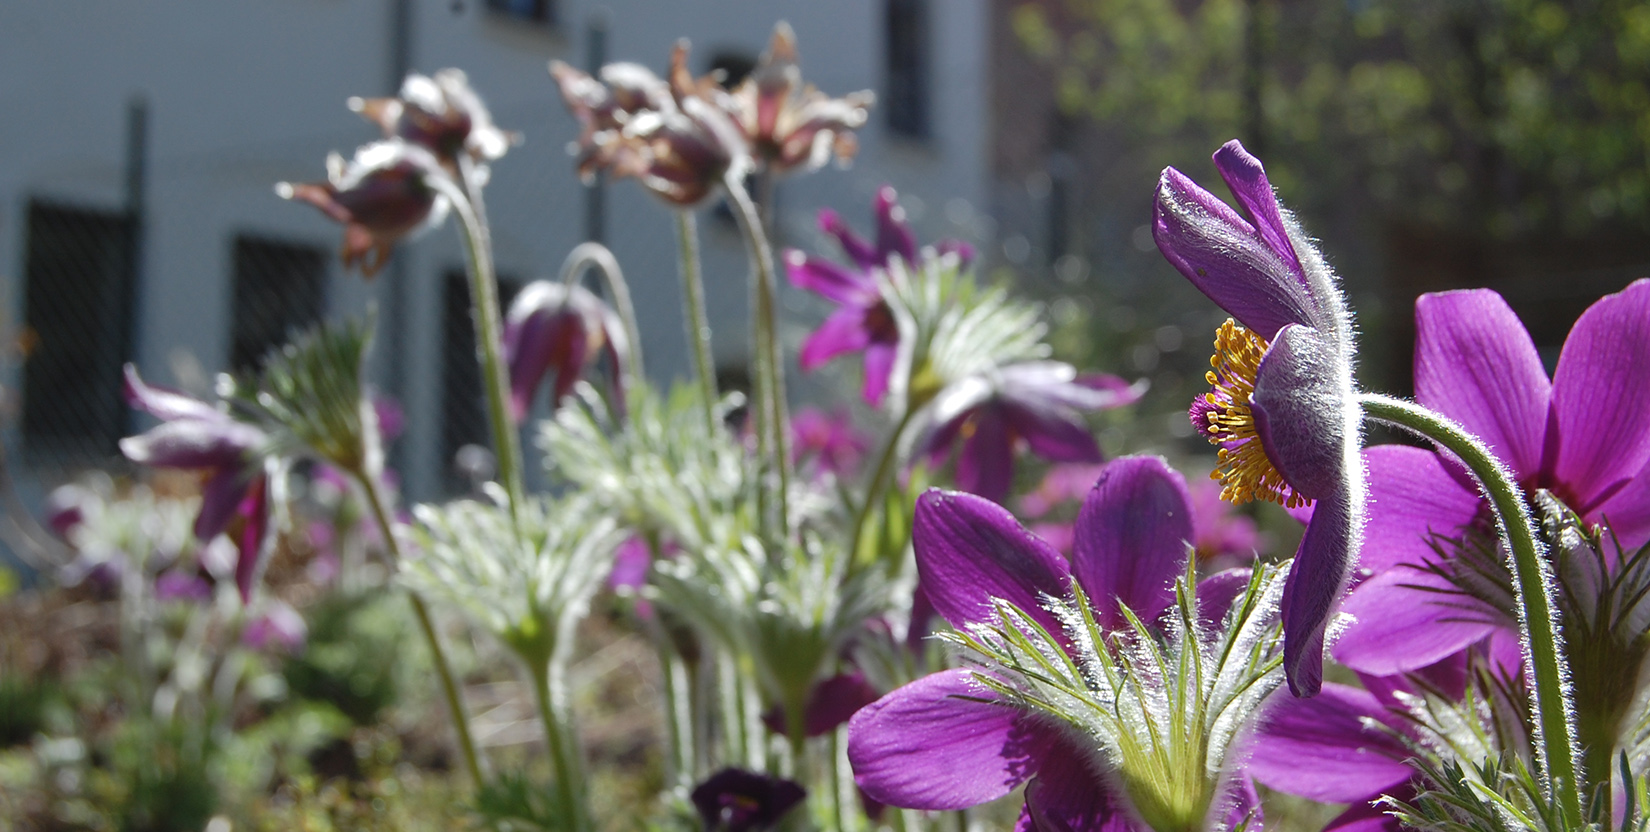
(381, 196)
(790, 125)
(553, 328)
(675, 138)
(441, 114)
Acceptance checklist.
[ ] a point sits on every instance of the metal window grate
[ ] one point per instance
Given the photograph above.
(80, 274)
(280, 287)
(463, 402)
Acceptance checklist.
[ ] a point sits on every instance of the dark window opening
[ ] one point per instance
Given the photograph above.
(542, 12)
(79, 269)
(731, 67)
(463, 400)
(280, 289)
(907, 103)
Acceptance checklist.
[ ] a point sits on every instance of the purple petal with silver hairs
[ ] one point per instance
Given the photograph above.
(1408, 619)
(939, 743)
(1324, 748)
(971, 551)
(1131, 539)
(1322, 565)
(1300, 412)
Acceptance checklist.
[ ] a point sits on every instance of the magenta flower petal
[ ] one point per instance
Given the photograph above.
(1601, 393)
(1217, 593)
(1408, 619)
(1131, 539)
(1300, 412)
(1246, 178)
(1367, 816)
(970, 550)
(1475, 363)
(1245, 806)
(1321, 748)
(193, 443)
(843, 332)
(933, 745)
(221, 498)
(254, 509)
(893, 234)
(1322, 565)
(862, 253)
(1412, 497)
(1067, 796)
(1052, 434)
(879, 367)
(1628, 512)
(829, 280)
(833, 702)
(986, 464)
(1226, 258)
(165, 403)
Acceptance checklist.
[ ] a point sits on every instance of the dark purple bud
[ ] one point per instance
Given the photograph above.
(381, 197)
(735, 800)
(832, 703)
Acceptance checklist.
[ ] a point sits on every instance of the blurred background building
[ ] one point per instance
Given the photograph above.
(1429, 145)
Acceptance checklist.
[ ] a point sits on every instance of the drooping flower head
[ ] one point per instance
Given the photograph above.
(551, 328)
(1096, 748)
(440, 113)
(1038, 402)
(670, 137)
(1282, 406)
(863, 320)
(194, 435)
(791, 126)
(381, 197)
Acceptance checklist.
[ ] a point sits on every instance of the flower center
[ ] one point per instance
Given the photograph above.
(1224, 418)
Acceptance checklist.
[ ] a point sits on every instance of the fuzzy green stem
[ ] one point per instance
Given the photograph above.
(600, 257)
(770, 373)
(1538, 621)
(698, 322)
(478, 249)
(564, 756)
(438, 657)
(881, 478)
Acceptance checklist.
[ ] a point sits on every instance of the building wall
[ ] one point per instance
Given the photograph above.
(242, 95)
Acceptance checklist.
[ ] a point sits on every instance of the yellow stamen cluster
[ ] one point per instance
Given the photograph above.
(1243, 469)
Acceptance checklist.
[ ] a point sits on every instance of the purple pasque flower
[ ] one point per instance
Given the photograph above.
(1038, 402)
(1221, 536)
(670, 136)
(863, 320)
(828, 439)
(552, 327)
(1582, 436)
(440, 113)
(194, 435)
(735, 800)
(950, 740)
(1283, 407)
(831, 703)
(277, 627)
(381, 196)
(791, 126)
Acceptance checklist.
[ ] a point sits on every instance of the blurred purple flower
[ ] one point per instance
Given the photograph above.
(183, 585)
(829, 440)
(863, 321)
(392, 418)
(380, 197)
(278, 627)
(1040, 402)
(1582, 436)
(788, 125)
(66, 508)
(735, 800)
(832, 702)
(1283, 408)
(550, 329)
(441, 114)
(194, 435)
(1221, 536)
(946, 741)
